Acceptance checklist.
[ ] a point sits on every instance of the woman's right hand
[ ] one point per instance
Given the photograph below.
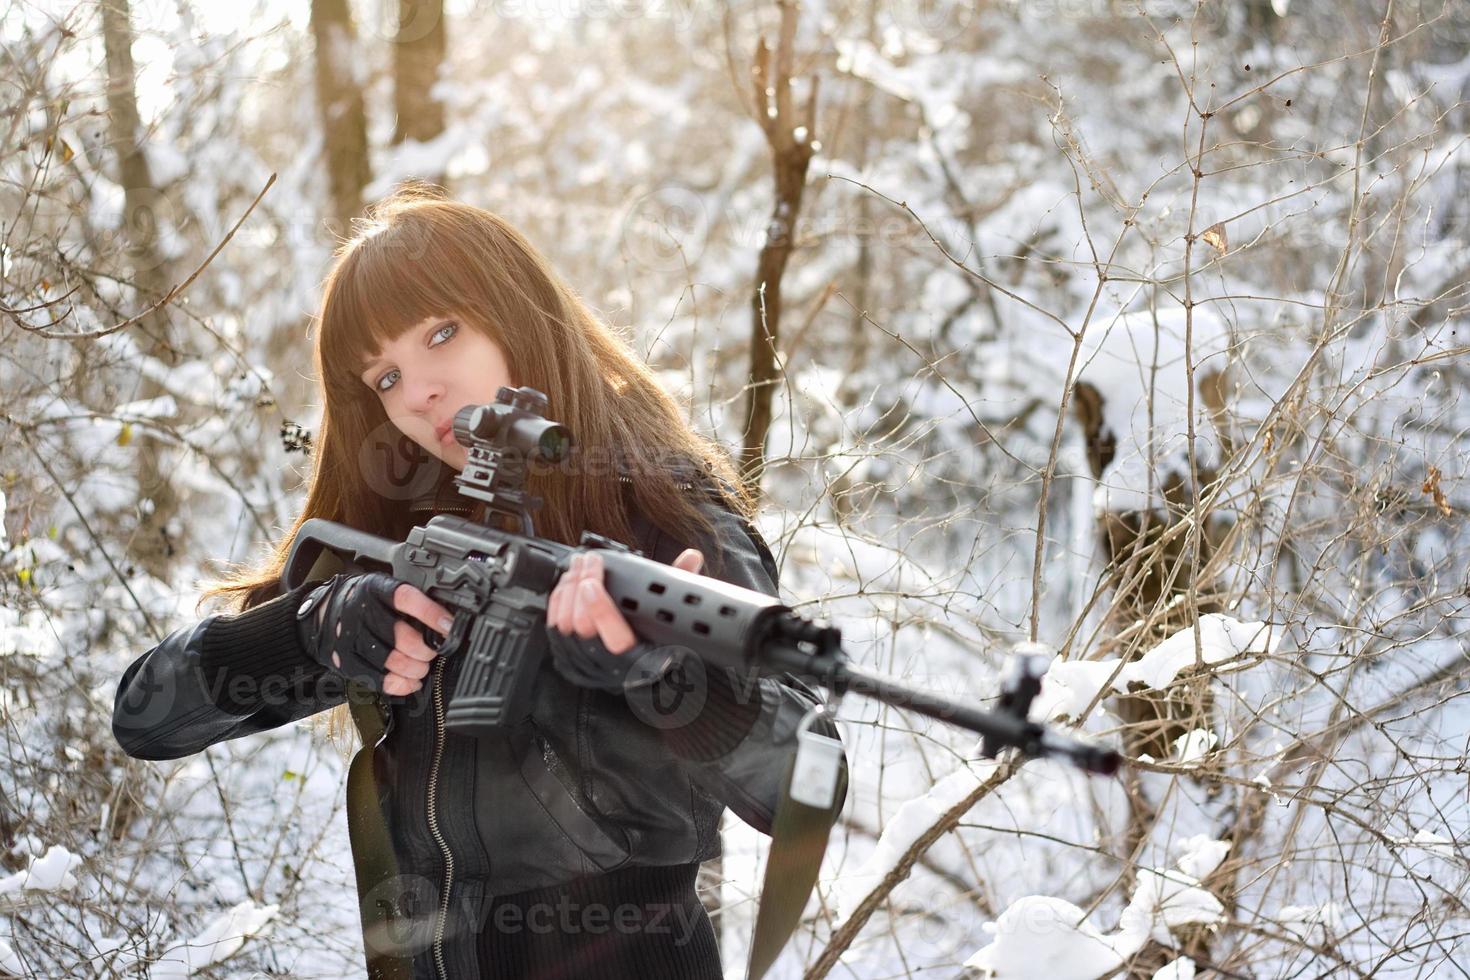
(354, 624)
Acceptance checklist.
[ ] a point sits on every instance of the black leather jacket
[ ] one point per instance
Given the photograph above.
(587, 786)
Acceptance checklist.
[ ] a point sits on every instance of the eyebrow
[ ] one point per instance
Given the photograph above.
(375, 362)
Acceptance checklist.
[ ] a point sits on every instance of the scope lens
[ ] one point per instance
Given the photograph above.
(556, 443)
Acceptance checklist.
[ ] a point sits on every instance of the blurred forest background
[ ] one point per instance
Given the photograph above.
(1131, 328)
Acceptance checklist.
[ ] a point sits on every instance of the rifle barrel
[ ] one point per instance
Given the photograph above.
(1000, 729)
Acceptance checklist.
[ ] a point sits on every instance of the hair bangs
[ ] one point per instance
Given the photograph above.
(378, 291)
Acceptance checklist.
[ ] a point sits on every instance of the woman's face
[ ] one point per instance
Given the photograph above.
(429, 373)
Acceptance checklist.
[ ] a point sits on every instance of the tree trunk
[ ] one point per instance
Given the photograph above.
(418, 53)
(345, 155)
(158, 501)
(339, 100)
(791, 134)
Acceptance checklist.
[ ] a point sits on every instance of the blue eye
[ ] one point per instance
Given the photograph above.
(447, 331)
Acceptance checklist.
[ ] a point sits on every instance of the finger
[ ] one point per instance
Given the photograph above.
(572, 594)
(404, 665)
(690, 560)
(587, 568)
(581, 565)
(400, 686)
(559, 606)
(377, 626)
(408, 599)
(408, 640)
(371, 594)
(368, 649)
(602, 618)
(579, 619)
(554, 604)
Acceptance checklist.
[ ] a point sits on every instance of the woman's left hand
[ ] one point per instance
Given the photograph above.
(580, 604)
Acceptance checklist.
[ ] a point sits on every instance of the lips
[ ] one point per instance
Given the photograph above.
(444, 431)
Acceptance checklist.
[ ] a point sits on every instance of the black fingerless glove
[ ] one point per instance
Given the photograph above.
(347, 624)
(588, 663)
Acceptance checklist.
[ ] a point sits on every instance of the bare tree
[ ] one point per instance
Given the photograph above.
(340, 103)
(418, 56)
(158, 501)
(790, 132)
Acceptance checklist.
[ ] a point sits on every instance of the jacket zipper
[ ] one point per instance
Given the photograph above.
(438, 947)
(434, 817)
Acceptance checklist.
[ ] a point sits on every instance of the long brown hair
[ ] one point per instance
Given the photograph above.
(419, 255)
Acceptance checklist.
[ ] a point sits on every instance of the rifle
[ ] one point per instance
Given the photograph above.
(497, 583)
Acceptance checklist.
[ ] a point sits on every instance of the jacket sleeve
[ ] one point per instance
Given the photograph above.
(741, 742)
(225, 677)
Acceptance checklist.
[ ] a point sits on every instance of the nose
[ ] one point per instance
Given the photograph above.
(421, 395)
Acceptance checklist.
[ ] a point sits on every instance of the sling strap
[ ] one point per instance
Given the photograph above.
(813, 789)
(380, 892)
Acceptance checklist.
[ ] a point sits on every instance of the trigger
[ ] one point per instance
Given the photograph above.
(455, 637)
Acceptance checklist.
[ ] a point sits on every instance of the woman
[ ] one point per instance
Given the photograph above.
(568, 847)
